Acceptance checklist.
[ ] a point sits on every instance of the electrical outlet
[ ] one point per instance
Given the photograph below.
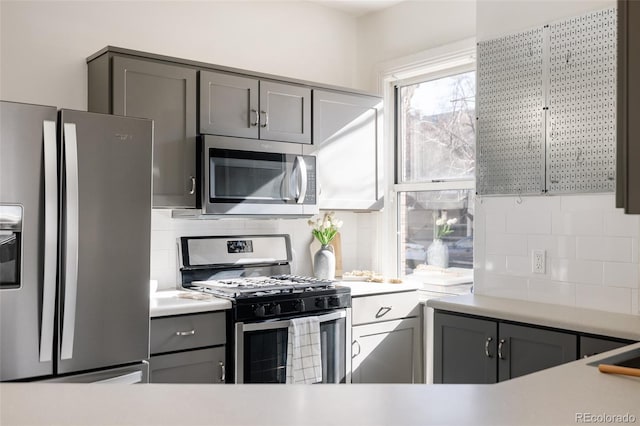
(538, 261)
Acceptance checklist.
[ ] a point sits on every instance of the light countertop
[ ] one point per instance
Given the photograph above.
(555, 396)
(176, 302)
(565, 317)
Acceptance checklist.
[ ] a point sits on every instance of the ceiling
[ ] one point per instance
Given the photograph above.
(357, 8)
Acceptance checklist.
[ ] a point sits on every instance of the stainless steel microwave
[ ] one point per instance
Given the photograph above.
(248, 177)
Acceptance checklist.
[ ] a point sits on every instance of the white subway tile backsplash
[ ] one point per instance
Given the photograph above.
(613, 299)
(592, 251)
(519, 266)
(578, 223)
(618, 224)
(506, 244)
(587, 202)
(546, 291)
(556, 246)
(503, 286)
(621, 274)
(577, 271)
(529, 222)
(608, 249)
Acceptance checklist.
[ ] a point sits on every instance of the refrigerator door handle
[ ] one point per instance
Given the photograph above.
(50, 239)
(71, 243)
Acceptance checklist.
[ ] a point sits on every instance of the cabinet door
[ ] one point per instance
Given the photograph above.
(228, 105)
(200, 366)
(523, 350)
(345, 139)
(387, 352)
(285, 112)
(166, 94)
(464, 349)
(592, 345)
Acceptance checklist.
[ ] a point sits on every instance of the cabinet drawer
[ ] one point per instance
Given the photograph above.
(592, 345)
(187, 331)
(384, 307)
(199, 366)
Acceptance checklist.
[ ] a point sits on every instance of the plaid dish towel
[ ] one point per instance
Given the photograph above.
(304, 360)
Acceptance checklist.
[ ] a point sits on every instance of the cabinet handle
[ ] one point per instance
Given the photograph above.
(255, 123)
(500, 348)
(193, 185)
(383, 311)
(355, 342)
(266, 119)
(486, 347)
(223, 371)
(185, 333)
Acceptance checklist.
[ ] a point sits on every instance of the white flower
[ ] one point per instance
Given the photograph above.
(440, 222)
(452, 221)
(339, 224)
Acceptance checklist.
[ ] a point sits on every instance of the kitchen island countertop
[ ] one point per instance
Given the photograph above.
(562, 395)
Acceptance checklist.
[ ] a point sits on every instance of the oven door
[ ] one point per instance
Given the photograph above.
(243, 176)
(261, 349)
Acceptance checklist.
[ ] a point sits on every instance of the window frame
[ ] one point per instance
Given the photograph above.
(432, 64)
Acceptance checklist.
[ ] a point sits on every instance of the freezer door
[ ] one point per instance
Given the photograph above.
(28, 239)
(105, 234)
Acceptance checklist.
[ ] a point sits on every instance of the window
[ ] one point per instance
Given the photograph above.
(435, 170)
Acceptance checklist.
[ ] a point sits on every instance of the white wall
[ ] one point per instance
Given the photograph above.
(592, 248)
(43, 47)
(44, 44)
(408, 28)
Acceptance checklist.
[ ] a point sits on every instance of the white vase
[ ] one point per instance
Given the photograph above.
(324, 263)
(438, 254)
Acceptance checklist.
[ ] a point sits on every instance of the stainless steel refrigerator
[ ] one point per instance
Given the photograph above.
(75, 223)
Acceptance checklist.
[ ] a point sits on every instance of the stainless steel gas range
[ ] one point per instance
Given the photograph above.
(254, 273)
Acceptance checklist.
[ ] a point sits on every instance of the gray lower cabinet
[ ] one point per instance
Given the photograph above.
(386, 339)
(188, 348)
(477, 350)
(594, 345)
(166, 93)
(346, 135)
(196, 366)
(242, 106)
(464, 350)
(386, 352)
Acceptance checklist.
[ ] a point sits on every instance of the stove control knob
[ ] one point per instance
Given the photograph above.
(334, 301)
(321, 303)
(258, 310)
(298, 305)
(274, 309)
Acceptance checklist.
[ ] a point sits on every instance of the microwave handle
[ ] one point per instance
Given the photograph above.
(302, 181)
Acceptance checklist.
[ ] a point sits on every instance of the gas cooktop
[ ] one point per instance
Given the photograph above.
(259, 286)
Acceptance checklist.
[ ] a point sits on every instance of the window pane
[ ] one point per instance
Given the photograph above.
(419, 213)
(437, 129)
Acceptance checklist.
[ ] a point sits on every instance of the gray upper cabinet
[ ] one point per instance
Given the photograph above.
(628, 107)
(240, 106)
(229, 105)
(346, 132)
(285, 112)
(166, 93)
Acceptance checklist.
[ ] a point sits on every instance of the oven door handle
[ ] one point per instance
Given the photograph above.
(268, 325)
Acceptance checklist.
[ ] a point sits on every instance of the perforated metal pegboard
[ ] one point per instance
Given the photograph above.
(581, 100)
(510, 135)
